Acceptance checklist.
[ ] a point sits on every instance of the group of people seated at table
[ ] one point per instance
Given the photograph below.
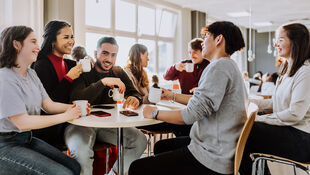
(37, 102)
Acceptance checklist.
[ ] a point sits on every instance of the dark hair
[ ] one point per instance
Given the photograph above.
(8, 53)
(195, 44)
(155, 79)
(110, 40)
(273, 77)
(232, 34)
(134, 64)
(78, 53)
(51, 30)
(298, 35)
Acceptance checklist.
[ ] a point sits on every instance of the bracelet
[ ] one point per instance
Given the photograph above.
(174, 95)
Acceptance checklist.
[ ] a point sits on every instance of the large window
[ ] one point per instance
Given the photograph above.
(130, 22)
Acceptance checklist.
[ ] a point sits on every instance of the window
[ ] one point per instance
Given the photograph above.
(124, 45)
(146, 21)
(125, 16)
(165, 56)
(130, 22)
(98, 13)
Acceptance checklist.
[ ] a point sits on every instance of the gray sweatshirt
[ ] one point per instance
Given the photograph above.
(217, 111)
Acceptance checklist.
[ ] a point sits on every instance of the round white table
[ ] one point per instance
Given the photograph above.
(120, 121)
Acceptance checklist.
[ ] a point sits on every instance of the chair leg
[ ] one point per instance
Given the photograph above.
(107, 161)
(149, 144)
(160, 136)
(295, 170)
(254, 165)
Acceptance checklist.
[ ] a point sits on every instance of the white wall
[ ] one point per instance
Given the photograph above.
(25, 12)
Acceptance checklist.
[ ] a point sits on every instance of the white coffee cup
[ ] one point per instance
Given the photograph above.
(154, 95)
(189, 67)
(83, 105)
(86, 65)
(115, 94)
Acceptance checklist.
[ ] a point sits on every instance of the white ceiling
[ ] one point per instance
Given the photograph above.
(277, 12)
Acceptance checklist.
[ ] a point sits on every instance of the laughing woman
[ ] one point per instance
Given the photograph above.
(22, 95)
(56, 73)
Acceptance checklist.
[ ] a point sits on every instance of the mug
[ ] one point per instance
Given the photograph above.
(83, 105)
(115, 94)
(86, 65)
(189, 67)
(154, 95)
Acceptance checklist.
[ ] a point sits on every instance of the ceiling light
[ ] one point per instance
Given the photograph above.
(262, 24)
(238, 14)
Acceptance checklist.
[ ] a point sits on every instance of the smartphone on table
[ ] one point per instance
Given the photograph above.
(100, 113)
(129, 113)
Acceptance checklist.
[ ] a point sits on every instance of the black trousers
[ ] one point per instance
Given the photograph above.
(283, 141)
(178, 130)
(171, 157)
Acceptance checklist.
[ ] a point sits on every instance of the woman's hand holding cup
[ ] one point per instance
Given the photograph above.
(75, 72)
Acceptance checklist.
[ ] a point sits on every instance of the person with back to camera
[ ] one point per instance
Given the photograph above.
(56, 73)
(94, 86)
(22, 95)
(189, 80)
(217, 110)
(286, 131)
(79, 53)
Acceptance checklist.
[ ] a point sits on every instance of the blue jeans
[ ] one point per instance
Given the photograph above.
(20, 153)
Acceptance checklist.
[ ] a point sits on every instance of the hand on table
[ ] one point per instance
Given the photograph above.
(131, 102)
(166, 94)
(147, 111)
(73, 112)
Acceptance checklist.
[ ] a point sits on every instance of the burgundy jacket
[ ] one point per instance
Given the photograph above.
(187, 80)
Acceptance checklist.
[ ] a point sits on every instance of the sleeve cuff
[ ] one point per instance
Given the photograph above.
(68, 78)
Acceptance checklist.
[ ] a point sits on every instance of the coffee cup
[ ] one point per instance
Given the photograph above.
(189, 67)
(114, 93)
(154, 95)
(86, 65)
(83, 105)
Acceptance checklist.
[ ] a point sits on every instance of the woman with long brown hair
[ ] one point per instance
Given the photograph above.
(137, 60)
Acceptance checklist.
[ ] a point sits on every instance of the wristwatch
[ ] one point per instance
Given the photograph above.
(154, 114)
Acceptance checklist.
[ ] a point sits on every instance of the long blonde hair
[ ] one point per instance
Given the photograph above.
(134, 64)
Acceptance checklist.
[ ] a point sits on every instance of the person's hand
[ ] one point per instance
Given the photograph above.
(166, 94)
(75, 72)
(88, 109)
(147, 111)
(180, 67)
(192, 90)
(131, 102)
(111, 82)
(73, 112)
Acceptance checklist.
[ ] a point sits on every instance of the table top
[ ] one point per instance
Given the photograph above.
(117, 120)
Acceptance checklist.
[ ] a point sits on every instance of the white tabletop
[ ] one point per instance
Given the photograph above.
(117, 120)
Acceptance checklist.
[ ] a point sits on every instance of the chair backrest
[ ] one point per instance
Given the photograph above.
(245, 132)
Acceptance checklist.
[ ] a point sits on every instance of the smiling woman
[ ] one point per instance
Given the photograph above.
(22, 95)
(56, 73)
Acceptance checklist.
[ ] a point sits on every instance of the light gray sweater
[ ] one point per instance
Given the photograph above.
(217, 111)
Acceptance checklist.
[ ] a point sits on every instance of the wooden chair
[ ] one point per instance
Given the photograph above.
(260, 162)
(245, 132)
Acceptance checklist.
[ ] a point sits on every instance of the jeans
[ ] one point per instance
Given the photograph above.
(171, 157)
(20, 153)
(80, 141)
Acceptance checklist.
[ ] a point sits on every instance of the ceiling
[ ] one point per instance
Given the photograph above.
(277, 12)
